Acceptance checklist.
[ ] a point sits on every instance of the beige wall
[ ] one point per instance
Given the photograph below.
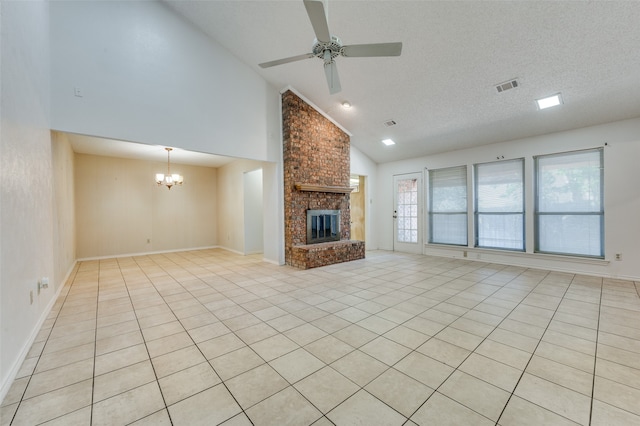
(120, 209)
(231, 203)
(64, 226)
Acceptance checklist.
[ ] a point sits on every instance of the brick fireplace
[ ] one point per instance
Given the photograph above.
(316, 177)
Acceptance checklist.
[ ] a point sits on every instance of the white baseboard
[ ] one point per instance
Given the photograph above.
(15, 367)
(231, 250)
(147, 253)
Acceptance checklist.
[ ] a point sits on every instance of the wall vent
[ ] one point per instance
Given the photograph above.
(507, 85)
(390, 123)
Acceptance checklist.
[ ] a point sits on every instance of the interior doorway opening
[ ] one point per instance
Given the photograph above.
(357, 207)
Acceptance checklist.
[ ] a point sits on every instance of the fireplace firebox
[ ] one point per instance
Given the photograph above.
(322, 226)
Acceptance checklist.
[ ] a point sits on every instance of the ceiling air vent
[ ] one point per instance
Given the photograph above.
(506, 85)
(390, 123)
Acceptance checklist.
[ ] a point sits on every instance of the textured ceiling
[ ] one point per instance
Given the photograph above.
(441, 90)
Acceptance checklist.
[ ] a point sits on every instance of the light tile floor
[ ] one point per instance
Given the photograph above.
(208, 337)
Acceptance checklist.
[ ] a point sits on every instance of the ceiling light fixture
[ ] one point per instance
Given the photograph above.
(346, 105)
(169, 179)
(388, 142)
(549, 101)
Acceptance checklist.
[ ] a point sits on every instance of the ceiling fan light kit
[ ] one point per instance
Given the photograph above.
(328, 47)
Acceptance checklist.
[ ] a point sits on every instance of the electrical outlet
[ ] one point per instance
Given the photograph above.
(77, 92)
(464, 253)
(148, 240)
(43, 283)
(618, 256)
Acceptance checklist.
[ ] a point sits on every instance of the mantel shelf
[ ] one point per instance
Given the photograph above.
(321, 188)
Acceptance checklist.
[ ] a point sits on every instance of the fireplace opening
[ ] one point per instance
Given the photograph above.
(322, 226)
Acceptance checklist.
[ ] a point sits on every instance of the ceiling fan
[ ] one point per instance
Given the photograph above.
(328, 47)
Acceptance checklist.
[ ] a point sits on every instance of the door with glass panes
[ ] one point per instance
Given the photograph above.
(407, 214)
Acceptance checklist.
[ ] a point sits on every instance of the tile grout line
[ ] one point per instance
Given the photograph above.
(44, 346)
(576, 291)
(379, 335)
(323, 415)
(595, 355)
(533, 354)
(126, 286)
(431, 337)
(483, 340)
(194, 343)
(95, 344)
(411, 350)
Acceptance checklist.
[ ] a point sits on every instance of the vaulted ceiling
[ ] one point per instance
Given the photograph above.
(441, 91)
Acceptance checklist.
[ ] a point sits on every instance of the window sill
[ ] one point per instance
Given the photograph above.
(473, 253)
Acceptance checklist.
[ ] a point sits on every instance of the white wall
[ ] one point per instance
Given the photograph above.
(64, 229)
(26, 214)
(147, 75)
(231, 226)
(253, 215)
(273, 213)
(622, 196)
(364, 166)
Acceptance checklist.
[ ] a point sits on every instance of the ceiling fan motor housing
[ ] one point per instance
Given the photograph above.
(334, 46)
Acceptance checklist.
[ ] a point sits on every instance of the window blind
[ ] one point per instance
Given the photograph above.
(448, 205)
(499, 207)
(569, 203)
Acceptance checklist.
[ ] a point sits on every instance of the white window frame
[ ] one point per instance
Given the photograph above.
(538, 214)
(477, 213)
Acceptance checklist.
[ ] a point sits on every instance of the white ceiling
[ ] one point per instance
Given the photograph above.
(115, 148)
(441, 90)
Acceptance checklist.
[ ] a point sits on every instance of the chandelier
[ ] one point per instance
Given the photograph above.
(169, 179)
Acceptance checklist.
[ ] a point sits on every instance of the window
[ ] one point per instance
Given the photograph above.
(569, 216)
(448, 206)
(499, 207)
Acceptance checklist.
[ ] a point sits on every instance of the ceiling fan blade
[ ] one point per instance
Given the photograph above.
(331, 72)
(286, 60)
(375, 49)
(315, 10)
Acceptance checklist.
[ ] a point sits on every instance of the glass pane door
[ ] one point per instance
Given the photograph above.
(407, 213)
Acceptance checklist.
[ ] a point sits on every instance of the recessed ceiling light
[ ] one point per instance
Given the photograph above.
(346, 105)
(549, 101)
(388, 142)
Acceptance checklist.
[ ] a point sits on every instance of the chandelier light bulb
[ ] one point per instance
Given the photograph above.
(169, 179)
